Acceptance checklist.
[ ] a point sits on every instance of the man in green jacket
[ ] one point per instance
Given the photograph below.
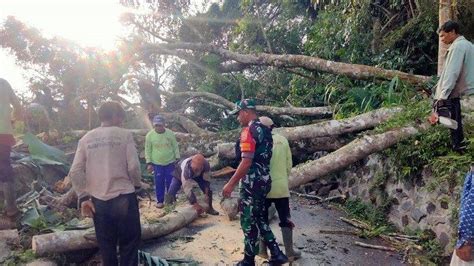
(161, 154)
(7, 100)
(456, 80)
(280, 168)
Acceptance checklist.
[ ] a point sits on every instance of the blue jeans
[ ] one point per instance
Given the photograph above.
(163, 177)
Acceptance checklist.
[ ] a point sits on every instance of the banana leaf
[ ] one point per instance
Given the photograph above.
(44, 153)
(147, 259)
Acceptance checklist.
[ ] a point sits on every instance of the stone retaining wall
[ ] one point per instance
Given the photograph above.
(414, 204)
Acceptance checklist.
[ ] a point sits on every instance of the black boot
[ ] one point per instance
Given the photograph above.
(211, 210)
(247, 261)
(277, 257)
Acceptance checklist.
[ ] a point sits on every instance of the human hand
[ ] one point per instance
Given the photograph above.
(149, 168)
(465, 252)
(87, 209)
(227, 190)
(433, 119)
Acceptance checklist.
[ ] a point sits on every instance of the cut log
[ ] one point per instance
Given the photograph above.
(8, 240)
(10, 236)
(65, 241)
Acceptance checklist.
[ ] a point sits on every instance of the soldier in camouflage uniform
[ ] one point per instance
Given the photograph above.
(253, 173)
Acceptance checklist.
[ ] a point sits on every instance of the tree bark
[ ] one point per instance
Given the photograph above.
(343, 157)
(349, 154)
(354, 71)
(303, 111)
(60, 242)
(299, 147)
(445, 14)
(338, 127)
(273, 110)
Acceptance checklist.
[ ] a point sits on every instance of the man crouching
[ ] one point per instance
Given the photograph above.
(189, 172)
(105, 174)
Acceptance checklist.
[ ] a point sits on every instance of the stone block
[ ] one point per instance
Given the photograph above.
(407, 205)
(430, 208)
(405, 220)
(417, 215)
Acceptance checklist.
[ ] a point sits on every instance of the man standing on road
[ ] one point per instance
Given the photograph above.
(189, 172)
(105, 174)
(456, 80)
(161, 155)
(280, 168)
(253, 173)
(7, 100)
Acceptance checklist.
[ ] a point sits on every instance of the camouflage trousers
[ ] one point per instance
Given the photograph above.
(253, 213)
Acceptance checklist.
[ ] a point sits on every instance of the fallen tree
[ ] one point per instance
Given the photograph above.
(350, 153)
(222, 102)
(354, 71)
(345, 156)
(338, 127)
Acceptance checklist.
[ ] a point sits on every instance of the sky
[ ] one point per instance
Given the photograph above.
(87, 22)
(93, 23)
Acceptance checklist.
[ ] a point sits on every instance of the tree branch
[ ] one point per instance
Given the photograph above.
(354, 71)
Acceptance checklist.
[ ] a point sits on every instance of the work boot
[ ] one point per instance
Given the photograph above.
(9, 194)
(277, 257)
(287, 233)
(262, 249)
(247, 261)
(211, 210)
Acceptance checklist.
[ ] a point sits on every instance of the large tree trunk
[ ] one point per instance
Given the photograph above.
(60, 242)
(338, 127)
(445, 14)
(349, 154)
(354, 71)
(343, 157)
(299, 147)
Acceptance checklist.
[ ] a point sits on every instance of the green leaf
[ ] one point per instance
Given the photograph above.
(44, 153)
(30, 217)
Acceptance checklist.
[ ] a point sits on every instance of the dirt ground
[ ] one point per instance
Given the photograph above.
(214, 240)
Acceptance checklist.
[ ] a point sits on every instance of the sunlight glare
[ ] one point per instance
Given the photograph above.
(93, 23)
